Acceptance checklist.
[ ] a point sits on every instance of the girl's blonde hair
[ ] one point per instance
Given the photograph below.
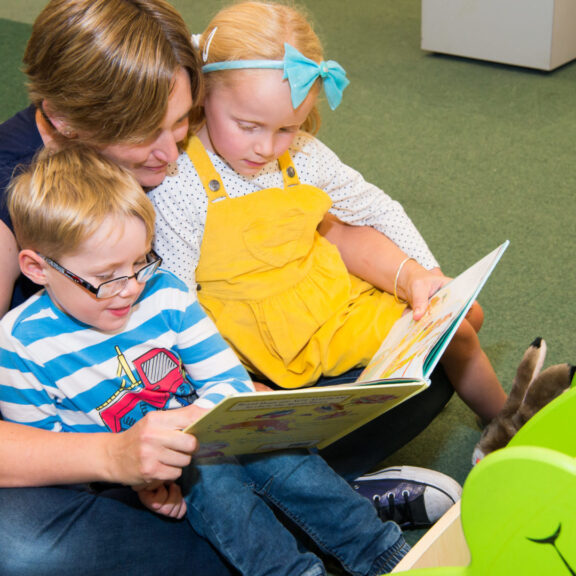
(108, 66)
(65, 196)
(258, 31)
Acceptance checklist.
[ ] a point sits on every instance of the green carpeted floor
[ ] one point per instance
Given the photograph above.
(476, 152)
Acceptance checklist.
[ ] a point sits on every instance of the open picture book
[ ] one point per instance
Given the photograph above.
(318, 416)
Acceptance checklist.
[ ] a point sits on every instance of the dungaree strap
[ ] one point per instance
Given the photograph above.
(289, 173)
(211, 179)
(205, 169)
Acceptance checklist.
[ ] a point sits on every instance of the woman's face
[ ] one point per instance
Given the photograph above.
(148, 160)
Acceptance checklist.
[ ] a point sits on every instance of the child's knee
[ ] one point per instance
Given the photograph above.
(465, 340)
(475, 316)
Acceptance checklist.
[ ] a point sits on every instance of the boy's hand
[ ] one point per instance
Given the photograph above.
(154, 449)
(165, 499)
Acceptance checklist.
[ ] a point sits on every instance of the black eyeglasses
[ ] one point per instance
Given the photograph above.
(116, 285)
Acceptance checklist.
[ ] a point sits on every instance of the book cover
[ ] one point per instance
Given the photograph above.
(305, 418)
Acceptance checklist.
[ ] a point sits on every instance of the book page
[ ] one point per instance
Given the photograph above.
(406, 351)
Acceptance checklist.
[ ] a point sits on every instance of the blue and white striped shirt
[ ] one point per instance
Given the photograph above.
(60, 374)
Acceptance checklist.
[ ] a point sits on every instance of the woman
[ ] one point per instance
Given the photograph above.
(119, 75)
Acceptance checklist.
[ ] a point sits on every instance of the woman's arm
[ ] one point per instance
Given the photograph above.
(9, 267)
(154, 449)
(373, 257)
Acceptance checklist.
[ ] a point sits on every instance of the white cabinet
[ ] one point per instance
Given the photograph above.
(533, 33)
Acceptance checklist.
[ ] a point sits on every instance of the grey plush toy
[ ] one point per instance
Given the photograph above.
(531, 391)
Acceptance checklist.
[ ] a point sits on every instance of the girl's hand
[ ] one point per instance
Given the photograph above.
(416, 285)
(164, 498)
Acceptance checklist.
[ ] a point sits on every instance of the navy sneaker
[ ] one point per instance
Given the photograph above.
(412, 497)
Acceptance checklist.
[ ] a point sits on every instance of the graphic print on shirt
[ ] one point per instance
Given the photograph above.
(158, 376)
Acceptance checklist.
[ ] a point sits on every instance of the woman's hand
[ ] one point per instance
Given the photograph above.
(154, 449)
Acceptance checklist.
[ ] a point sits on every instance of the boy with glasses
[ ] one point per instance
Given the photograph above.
(113, 337)
(108, 338)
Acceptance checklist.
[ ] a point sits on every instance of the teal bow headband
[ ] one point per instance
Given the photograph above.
(300, 71)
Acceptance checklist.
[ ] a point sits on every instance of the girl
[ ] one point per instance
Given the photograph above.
(260, 186)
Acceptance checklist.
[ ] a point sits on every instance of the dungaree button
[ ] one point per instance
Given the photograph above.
(214, 185)
(290, 171)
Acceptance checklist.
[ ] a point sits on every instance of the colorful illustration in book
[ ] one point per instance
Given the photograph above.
(400, 355)
(374, 399)
(258, 424)
(211, 450)
(277, 414)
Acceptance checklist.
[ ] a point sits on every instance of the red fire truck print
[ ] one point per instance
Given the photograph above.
(158, 375)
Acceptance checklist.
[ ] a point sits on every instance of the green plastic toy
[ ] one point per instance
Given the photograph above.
(519, 503)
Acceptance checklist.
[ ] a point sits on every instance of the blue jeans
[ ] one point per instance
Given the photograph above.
(55, 530)
(231, 501)
(71, 532)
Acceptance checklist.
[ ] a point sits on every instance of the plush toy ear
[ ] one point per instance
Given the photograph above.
(549, 384)
(498, 432)
(528, 370)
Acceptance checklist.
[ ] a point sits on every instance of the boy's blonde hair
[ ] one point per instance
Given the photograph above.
(258, 31)
(108, 66)
(65, 196)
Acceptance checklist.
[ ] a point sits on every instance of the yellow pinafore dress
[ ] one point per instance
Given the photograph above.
(278, 291)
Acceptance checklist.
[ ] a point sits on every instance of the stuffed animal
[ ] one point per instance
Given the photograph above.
(531, 391)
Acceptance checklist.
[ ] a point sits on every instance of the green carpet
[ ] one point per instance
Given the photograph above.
(476, 152)
(13, 37)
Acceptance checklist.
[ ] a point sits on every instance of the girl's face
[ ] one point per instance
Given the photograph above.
(148, 161)
(250, 120)
(113, 251)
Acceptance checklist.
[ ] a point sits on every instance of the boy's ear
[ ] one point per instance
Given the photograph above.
(32, 265)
